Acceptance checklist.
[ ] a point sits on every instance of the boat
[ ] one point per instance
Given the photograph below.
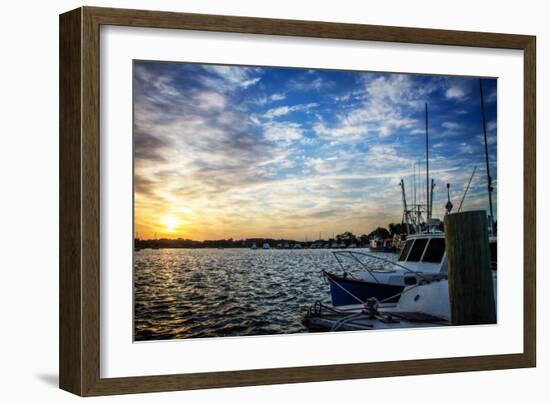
(422, 257)
(422, 305)
(254, 247)
(425, 304)
(266, 246)
(382, 245)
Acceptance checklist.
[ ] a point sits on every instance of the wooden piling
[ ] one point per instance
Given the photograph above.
(470, 278)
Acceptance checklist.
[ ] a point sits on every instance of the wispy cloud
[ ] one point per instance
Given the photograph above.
(229, 151)
(455, 92)
(282, 131)
(284, 110)
(450, 125)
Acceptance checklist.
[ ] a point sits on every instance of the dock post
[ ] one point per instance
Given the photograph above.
(470, 278)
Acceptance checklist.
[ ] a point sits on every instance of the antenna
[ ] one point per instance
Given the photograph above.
(489, 180)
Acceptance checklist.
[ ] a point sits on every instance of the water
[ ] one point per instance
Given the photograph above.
(183, 293)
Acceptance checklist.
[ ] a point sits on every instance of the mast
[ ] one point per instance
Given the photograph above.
(415, 184)
(489, 179)
(428, 212)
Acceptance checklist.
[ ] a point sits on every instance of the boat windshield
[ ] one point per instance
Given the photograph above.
(435, 251)
(405, 250)
(417, 250)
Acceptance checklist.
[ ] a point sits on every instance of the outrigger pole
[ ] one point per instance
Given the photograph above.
(428, 212)
(489, 179)
(467, 188)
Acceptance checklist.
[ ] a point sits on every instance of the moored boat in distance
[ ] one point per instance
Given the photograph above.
(266, 246)
(382, 245)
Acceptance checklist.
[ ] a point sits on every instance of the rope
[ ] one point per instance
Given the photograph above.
(346, 291)
(399, 294)
(352, 254)
(337, 325)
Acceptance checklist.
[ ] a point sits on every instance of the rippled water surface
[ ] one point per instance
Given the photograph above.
(182, 293)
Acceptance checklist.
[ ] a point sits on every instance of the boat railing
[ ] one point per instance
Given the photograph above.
(354, 255)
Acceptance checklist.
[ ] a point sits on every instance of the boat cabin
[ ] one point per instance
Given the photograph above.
(426, 251)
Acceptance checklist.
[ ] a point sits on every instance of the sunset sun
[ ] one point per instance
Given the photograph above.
(170, 223)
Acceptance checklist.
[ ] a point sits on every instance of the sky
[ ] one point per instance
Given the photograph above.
(242, 152)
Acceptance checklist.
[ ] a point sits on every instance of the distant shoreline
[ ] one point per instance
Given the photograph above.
(343, 240)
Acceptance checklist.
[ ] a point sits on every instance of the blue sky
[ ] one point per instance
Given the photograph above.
(231, 151)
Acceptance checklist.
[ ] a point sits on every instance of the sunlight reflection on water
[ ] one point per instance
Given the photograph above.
(183, 293)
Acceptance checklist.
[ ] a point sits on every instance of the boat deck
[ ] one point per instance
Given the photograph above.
(323, 318)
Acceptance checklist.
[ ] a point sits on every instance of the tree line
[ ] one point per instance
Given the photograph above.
(348, 238)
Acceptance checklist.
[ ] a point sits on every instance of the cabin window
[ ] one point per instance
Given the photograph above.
(405, 250)
(435, 251)
(417, 250)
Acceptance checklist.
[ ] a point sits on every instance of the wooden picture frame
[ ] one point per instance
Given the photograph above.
(79, 200)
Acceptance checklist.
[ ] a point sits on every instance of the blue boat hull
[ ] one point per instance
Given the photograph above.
(362, 289)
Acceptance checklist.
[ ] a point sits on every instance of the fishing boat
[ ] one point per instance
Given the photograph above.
(266, 246)
(422, 257)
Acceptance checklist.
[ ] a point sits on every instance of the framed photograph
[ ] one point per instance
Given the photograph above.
(249, 201)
